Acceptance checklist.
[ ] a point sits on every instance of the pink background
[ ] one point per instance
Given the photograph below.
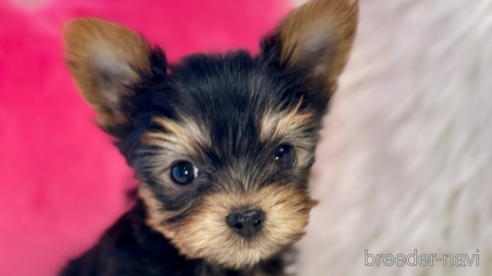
(61, 181)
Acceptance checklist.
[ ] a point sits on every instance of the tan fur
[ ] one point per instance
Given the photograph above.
(204, 232)
(280, 124)
(103, 56)
(183, 136)
(290, 127)
(320, 22)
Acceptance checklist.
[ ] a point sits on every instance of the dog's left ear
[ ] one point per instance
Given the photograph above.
(317, 38)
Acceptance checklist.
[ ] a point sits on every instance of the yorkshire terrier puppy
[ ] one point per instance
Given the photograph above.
(222, 145)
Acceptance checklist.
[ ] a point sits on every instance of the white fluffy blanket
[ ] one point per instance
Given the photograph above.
(406, 157)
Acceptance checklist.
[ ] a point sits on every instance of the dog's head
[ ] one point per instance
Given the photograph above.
(222, 145)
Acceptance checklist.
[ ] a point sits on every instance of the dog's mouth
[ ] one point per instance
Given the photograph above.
(223, 232)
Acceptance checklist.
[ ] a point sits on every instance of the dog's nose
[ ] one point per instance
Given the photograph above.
(246, 222)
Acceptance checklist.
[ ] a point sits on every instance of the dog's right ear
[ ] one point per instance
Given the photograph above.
(107, 61)
(316, 38)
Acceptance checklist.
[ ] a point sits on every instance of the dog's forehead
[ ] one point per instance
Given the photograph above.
(230, 108)
(226, 133)
(227, 96)
(217, 85)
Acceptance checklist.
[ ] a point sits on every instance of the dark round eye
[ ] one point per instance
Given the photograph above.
(183, 173)
(285, 156)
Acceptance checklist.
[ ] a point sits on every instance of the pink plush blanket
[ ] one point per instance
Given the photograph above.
(61, 181)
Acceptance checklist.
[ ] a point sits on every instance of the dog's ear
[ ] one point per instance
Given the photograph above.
(107, 61)
(317, 38)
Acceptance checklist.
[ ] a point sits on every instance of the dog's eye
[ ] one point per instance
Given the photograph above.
(183, 173)
(285, 156)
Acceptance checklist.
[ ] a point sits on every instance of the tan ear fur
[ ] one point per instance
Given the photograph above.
(105, 59)
(319, 35)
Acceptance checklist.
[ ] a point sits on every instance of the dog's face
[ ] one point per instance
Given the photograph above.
(222, 145)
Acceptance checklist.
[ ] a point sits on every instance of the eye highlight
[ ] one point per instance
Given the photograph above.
(285, 156)
(183, 173)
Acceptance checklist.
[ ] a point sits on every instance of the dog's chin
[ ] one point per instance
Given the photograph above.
(231, 251)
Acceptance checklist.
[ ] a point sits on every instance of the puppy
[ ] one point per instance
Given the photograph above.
(222, 145)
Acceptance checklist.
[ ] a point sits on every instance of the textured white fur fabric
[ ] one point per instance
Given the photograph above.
(406, 157)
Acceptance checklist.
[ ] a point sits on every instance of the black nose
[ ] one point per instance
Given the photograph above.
(247, 222)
